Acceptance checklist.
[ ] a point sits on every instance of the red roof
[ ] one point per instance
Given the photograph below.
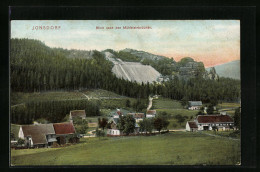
(137, 115)
(119, 113)
(153, 112)
(192, 124)
(64, 128)
(214, 118)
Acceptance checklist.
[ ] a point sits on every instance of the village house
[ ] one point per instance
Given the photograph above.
(39, 135)
(194, 105)
(191, 126)
(77, 113)
(151, 114)
(113, 131)
(137, 116)
(117, 114)
(206, 122)
(65, 132)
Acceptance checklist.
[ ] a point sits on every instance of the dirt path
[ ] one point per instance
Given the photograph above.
(85, 95)
(150, 103)
(18, 104)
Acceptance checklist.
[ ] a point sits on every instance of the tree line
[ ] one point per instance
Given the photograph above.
(52, 111)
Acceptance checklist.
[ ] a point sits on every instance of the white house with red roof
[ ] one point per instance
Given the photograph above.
(151, 114)
(117, 114)
(206, 122)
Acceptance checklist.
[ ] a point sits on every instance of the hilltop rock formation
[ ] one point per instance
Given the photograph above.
(143, 55)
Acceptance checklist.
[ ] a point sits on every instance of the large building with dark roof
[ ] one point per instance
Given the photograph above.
(40, 135)
(206, 122)
(43, 135)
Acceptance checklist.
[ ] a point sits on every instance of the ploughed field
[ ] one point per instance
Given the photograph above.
(178, 148)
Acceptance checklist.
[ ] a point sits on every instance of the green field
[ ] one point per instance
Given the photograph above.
(179, 148)
(228, 105)
(165, 103)
(15, 130)
(100, 93)
(19, 97)
(172, 108)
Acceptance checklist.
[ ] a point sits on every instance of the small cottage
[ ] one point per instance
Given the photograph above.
(77, 113)
(151, 114)
(113, 130)
(191, 126)
(137, 116)
(206, 122)
(194, 105)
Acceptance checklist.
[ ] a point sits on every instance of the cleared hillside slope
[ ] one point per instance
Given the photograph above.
(133, 71)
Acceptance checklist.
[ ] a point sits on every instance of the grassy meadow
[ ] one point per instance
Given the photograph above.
(165, 103)
(20, 97)
(173, 108)
(179, 148)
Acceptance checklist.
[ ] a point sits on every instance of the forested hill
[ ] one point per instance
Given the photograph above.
(36, 67)
(229, 70)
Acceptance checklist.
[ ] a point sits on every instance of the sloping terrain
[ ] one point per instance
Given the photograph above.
(132, 71)
(164, 149)
(228, 70)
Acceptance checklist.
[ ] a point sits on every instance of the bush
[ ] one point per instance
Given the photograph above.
(20, 141)
(100, 133)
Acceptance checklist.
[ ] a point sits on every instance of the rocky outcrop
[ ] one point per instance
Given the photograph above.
(143, 54)
(211, 74)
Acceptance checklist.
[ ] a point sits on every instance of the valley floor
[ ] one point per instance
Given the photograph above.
(177, 148)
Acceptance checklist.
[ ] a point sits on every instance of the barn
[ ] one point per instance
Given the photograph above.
(206, 122)
(65, 132)
(38, 135)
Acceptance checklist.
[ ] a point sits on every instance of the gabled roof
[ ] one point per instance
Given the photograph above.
(151, 112)
(195, 103)
(137, 115)
(214, 118)
(79, 113)
(64, 128)
(118, 112)
(192, 124)
(116, 120)
(38, 132)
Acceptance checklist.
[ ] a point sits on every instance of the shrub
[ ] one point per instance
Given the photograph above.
(20, 141)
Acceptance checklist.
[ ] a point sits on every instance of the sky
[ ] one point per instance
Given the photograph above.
(210, 41)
